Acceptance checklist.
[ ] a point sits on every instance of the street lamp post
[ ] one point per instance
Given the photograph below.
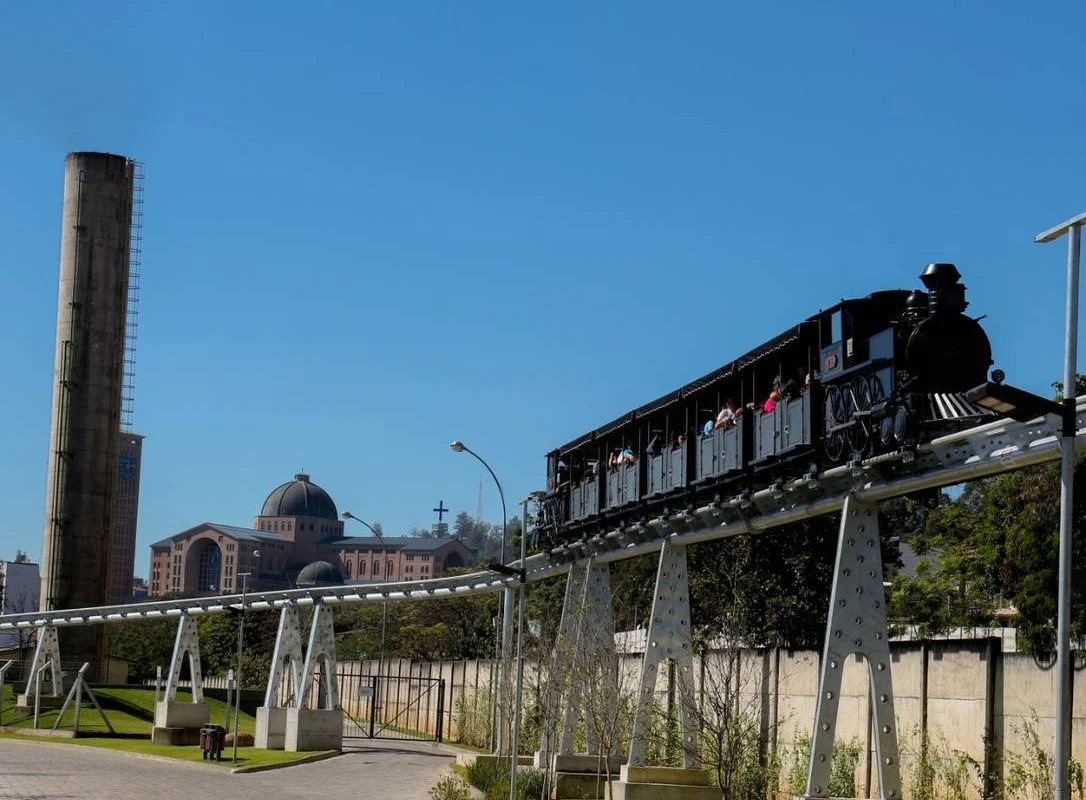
(384, 603)
(518, 674)
(507, 598)
(241, 637)
(1072, 228)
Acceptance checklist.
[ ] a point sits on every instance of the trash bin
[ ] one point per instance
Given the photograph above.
(212, 740)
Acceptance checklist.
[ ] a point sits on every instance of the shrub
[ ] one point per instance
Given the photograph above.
(473, 718)
(450, 788)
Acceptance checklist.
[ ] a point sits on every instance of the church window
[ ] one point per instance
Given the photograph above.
(376, 568)
(210, 566)
(361, 568)
(348, 569)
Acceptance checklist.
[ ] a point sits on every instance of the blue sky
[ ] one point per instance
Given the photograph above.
(372, 228)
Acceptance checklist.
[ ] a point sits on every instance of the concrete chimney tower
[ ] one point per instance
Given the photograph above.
(87, 390)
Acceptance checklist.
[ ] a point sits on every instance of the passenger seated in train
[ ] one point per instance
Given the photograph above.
(774, 396)
(621, 456)
(728, 415)
(792, 388)
(677, 440)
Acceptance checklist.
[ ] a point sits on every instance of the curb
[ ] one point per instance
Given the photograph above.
(307, 760)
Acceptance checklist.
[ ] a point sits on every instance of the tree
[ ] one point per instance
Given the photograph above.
(994, 546)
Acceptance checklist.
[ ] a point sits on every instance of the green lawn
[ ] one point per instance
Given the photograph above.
(130, 710)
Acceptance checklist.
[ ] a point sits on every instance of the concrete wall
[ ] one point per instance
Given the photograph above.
(963, 693)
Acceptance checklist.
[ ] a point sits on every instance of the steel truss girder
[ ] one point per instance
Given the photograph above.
(322, 645)
(187, 643)
(47, 652)
(988, 449)
(287, 660)
(668, 639)
(856, 626)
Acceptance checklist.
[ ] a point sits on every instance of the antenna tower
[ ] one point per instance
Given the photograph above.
(479, 505)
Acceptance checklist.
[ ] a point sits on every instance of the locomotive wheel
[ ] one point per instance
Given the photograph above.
(835, 446)
(858, 439)
(878, 394)
(901, 424)
(837, 410)
(860, 390)
(886, 430)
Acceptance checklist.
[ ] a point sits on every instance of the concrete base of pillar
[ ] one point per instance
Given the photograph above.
(181, 715)
(583, 776)
(24, 704)
(313, 729)
(663, 783)
(271, 728)
(175, 736)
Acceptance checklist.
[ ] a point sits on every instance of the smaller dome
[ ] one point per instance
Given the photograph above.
(319, 573)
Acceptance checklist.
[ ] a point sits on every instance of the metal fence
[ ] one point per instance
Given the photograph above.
(390, 706)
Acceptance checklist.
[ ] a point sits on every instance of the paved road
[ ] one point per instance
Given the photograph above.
(374, 771)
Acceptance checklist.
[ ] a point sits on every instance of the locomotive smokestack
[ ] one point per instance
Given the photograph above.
(87, 390)
(945, 294)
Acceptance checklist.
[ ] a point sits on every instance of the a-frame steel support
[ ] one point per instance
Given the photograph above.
(593, 621)
(187, 643)
(322, 645)
(856, 626)
(47, 651)
(668, 639)
(287, 660)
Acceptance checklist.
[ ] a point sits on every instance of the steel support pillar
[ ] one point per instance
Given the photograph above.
(856, 626)
(47, 651)
(187, 643)
(287, 664)
(322, 645)
(554, 688)
(593, 643)
(668, 639)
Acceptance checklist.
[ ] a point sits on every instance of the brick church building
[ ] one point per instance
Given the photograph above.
(297, 526)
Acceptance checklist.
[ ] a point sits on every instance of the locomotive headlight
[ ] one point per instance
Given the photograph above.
(998, 376)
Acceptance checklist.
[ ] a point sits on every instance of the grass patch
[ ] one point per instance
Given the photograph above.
(131, 710)
(247, 756)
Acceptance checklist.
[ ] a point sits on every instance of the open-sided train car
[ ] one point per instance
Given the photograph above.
(867, 375)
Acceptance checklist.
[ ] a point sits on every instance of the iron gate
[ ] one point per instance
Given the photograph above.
(392, 707)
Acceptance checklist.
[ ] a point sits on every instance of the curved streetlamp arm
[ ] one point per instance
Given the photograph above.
(349, 515)
(501, 493)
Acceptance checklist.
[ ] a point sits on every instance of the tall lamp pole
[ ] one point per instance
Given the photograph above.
(384, 603)
(507, 596)
(1072, 228)
(514, 749)
(241, 638)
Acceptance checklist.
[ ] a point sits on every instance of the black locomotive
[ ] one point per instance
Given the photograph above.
(869, 375)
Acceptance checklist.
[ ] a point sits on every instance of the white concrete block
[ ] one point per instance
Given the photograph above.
(313, 729)
(271, 728)
(181, 715)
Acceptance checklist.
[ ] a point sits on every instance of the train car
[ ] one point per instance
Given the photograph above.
(865, 376)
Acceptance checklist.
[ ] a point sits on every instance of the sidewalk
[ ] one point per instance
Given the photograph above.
(374, 770)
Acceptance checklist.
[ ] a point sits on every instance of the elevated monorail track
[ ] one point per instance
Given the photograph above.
(994, 447)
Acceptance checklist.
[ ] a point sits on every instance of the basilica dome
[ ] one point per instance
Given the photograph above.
(299, 498)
